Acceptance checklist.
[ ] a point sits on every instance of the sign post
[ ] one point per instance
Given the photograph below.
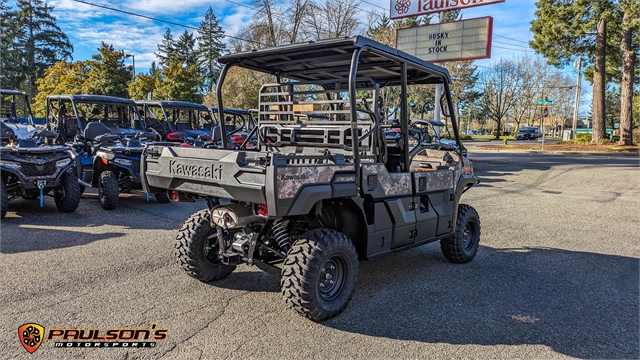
(545, 104)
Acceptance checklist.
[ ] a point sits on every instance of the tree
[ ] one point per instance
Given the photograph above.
(9, 53)
(332, 18)
(143, 85)
(184, 50)
(39, 42)
(166, 49)
(210, 48)
(178, 83)
(61, 78)
(499, 87)
(630, 25)
(562, 31)
(108, 75)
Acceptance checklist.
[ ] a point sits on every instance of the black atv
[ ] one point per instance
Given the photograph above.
(32, 166)
(109, 142)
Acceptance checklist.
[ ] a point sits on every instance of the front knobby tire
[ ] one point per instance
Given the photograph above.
(162, 198)
(197, 247)
(319, 274)
(463, 245)
(67, 194)
(108, 190)
(4, 200)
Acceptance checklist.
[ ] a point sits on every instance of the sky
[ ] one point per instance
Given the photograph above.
(87, 26)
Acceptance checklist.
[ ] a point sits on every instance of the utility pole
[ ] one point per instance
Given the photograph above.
(577, 102)
(436, 108)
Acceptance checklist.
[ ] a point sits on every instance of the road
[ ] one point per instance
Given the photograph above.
(556, 276)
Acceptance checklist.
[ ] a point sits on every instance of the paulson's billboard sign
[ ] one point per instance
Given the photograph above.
(406, 8)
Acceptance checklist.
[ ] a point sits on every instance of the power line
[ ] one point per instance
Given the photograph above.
(504, 37)
(372, 4)
(161, 20)
(500, 42)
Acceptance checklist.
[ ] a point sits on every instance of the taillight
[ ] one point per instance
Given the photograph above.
(185, 144)
(262, 210)
(173, 136)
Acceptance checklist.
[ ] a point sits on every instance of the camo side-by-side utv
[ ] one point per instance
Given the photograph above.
(326, 187)
(31, 165)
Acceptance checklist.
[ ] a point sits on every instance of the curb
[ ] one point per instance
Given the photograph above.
(581, 153)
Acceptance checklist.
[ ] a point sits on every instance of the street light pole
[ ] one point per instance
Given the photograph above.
(577, 103)
(133, 62)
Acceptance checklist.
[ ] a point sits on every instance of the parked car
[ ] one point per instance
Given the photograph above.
(528, 133)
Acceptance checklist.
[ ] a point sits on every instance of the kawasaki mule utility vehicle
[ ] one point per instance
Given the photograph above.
(325, 188)
(31, 165)
(108, 135)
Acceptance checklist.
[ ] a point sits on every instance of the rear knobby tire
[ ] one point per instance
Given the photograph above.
(4, 199)
(162, 198)
(197, 247)
(67, 194)
(319, 274)
(108, 190)
(463, 245)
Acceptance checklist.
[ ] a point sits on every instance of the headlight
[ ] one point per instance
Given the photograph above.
(63, 163)
(10, 165)
(123, 162)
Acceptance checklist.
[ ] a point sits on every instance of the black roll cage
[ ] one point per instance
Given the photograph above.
(329, 59)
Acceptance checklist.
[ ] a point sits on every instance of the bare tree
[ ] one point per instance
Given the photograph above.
(498, 85)
(333, 18)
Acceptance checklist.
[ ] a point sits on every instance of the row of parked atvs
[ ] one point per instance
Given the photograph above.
(94, 141)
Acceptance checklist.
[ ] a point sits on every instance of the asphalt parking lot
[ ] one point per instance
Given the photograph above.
(556, 276)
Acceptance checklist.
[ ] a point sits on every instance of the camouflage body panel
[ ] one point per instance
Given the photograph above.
(291, 178)
(388, 184)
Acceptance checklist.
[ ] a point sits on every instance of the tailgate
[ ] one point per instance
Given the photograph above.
(228, 174)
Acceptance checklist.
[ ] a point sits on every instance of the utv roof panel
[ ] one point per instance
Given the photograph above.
(11, 92)
(173, 104)
(94, 99)
(331, 59)
(232, 111)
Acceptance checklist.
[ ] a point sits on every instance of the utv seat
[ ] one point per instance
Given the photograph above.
(95, 129)
(72, 127)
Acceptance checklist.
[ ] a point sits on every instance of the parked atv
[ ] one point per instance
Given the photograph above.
(109, 137)
(32, 167)
(320, 193)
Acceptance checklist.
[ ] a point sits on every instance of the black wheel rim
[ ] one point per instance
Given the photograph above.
(469, 236)
(332, 278)
(210, 248)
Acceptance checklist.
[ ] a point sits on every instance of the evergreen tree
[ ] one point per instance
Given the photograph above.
(153, 70)
(40, 42)
(166, 49)
(185, 49)
(108, 75)
(9, 54)
(560, 34)
(210, 48)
